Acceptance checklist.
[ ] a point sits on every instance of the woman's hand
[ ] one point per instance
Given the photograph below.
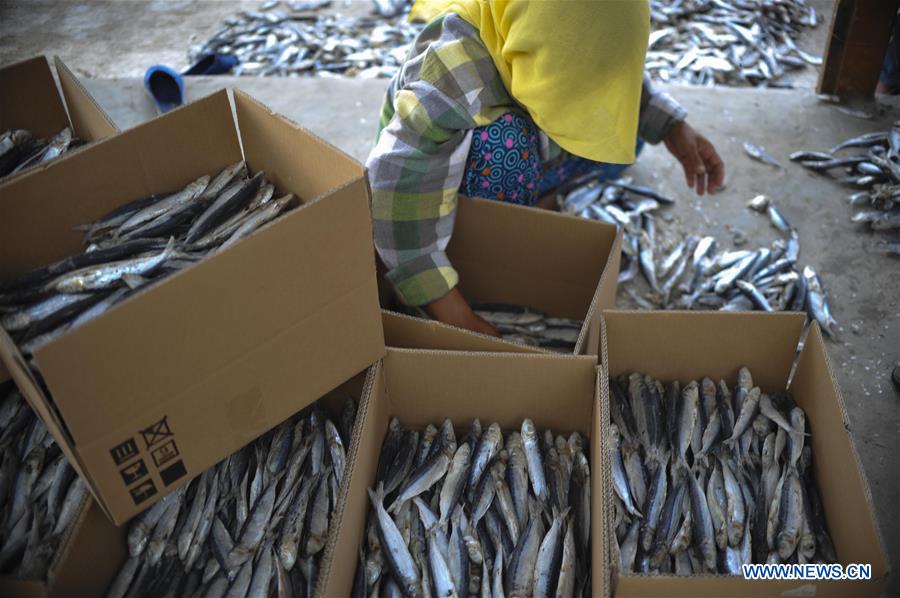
(453, 309)
(703, 168)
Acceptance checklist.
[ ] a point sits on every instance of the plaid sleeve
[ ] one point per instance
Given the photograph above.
(447, 87)
(659, 111)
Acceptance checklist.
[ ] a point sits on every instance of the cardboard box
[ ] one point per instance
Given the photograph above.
(97, 549)
(217, 354)
(689, 345)
(30, 99)
(559, 264)
(422, 387)
(409, 332)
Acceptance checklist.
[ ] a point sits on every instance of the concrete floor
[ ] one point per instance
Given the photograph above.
(863, 285)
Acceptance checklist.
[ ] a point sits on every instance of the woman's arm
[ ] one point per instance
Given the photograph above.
(418, 162)
(664, 119)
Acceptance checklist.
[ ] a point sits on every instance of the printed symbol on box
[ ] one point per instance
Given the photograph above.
(164, 454)
(133, 472)
(143, 491)
(124, 451)
(156, 433)
(173, 473)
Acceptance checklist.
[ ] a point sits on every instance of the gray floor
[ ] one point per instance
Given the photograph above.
(863, 285)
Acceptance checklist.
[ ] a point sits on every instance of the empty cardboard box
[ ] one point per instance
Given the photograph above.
(186, 371)
(422, 387)
(690, 345)
(561, 265)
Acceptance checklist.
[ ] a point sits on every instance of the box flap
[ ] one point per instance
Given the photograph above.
(600, 501)
(336, 576)
(409, 332)
(89, 121)
(30, 99)
(684, 345)
(465, 379)
(836, 459)
(499, 248)
(275, 144)
(38, 213)
(604, 298)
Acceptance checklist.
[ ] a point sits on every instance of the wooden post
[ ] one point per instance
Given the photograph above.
(860, 32)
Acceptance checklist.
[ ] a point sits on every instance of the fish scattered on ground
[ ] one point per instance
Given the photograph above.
(870, 165)
(134, 245)
(492, 514)
(292, 39)
(40, 493)
(255, 524)
(691, 273)
(760, 154)
(20, 150)
(739, 499)
(728, 42)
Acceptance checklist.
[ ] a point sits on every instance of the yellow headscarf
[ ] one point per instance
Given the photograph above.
(576, 66)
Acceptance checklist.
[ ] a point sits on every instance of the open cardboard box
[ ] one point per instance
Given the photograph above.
(689, 345)
(559, 264)
(97, 549)
(201, 363)
(422, 387)
(30, 99)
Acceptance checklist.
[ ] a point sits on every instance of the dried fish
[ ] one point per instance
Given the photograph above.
(728, 42)
(284, 526)
(40, 493)
(719, 501)
(297, 41)
(506, 536)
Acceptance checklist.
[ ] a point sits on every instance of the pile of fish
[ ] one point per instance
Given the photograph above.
(728, 42)
(692, 274)
(140, 242)
(19, 149)
(707, 478)
(874, 171)
(488, 516)
(301, 42)
(528, 326)
(40, 493)
(253, 525)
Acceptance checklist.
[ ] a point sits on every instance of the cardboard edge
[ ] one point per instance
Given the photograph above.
(67, 80)
(815, 341)
(500, 343)
(601, 406)
(448, 352)
(337, 513)
(614, 255)
(612, 572)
